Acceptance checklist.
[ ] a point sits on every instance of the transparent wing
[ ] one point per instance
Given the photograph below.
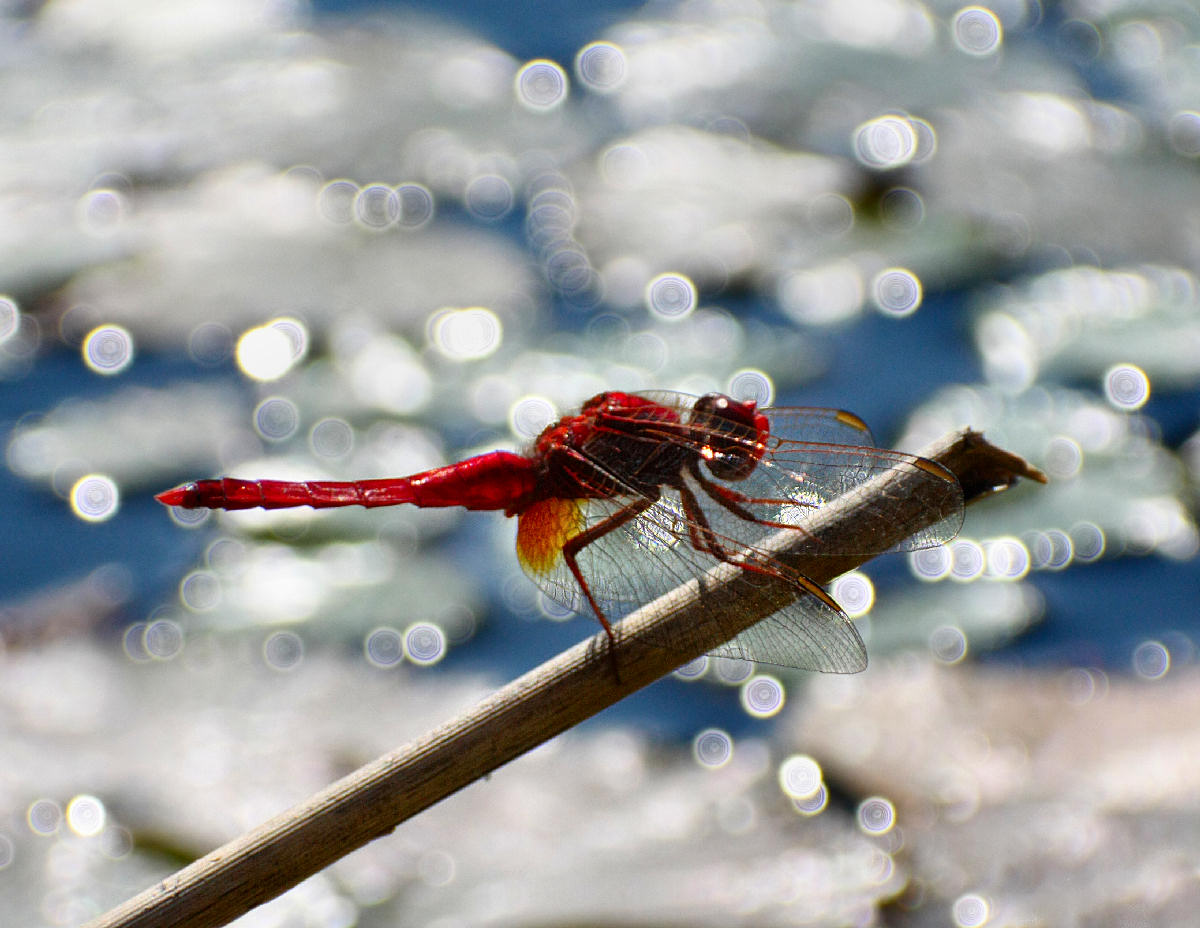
(814, 455)
(818, 424)
(654, 553)
(794, 480)
(796, 423)
(662, 543)
(807, 633)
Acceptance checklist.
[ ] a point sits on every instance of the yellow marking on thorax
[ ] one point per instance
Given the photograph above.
(543, 529)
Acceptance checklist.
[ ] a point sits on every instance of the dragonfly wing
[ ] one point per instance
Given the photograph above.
(653, 554)
(795, 480)
(806, 423)
(807, 630)
(648, 539)
(812, 456)
(624, 568)
(818, 424)
(806, 634)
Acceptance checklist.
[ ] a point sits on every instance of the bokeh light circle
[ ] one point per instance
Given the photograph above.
(762, 696)
(210, 344)
(163, 639)
(530, 414)
(552, 609)
(190, 518)
(1063, 458)
(384, 647)
(1126, 386)
(730, 670)
(977, 31)
(967, 559)
(625, 166)
(970, 911)
(276, 418)
(885, 143)
(901, 209)
(132, 642)
(931, 563)
(831, 214)
(948, 644)
(469, 334)
(1151, 660)
(44, 817)
(331, 438)
(108, 349)
(10, 318)
(897, 292)
(1006, 558)
(693, 670)
(712, 748)
(855, 592)
(267, 352)
(541, 85)
(86, 816)
(647, 350)
(283, 650)
(601, 67)
(424, 643)
(1081, 685)
(116, 842)
(671, 296)
(377, 206)
(336, 201)
(876, 816)
(927, 144)
(752, 384)
(489, 197)
(416, 205)
(95, 498)
(800, 776)
(436, 867)
(1183, 130)
(1087, 541)
(101, 211)
(814, 804)
(200, 591)
(1052, 550)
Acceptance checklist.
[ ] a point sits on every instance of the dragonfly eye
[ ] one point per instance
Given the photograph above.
(731, 435)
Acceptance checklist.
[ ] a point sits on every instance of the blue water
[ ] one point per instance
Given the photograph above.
(880, 368)
(554, 29)
(41, 542)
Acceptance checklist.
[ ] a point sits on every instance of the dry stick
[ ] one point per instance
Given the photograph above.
(577, 684)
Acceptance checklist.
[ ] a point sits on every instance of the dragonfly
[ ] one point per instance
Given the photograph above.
(637, 493)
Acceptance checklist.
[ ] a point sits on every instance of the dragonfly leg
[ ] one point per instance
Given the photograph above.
(700, 533)
(733, 501)
(570, 553)
(750, 559)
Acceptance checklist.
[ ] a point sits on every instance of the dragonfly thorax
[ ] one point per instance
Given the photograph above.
(731, 435)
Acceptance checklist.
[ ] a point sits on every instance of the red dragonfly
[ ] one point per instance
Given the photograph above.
(638, 493)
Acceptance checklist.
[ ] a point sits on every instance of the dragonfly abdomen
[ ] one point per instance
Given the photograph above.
(232, 493)
(497, 480)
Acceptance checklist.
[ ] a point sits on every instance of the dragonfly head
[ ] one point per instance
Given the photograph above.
(732, 435)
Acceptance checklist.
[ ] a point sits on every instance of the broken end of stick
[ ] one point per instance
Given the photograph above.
(981, 468)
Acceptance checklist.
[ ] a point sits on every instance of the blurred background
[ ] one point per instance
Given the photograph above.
(293, 240)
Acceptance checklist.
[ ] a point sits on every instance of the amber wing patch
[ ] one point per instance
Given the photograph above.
(543, 529)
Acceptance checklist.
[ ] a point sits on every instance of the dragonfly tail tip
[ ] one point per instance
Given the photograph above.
(173, 497)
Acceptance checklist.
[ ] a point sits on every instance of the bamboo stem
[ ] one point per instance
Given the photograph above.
(372, 801)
